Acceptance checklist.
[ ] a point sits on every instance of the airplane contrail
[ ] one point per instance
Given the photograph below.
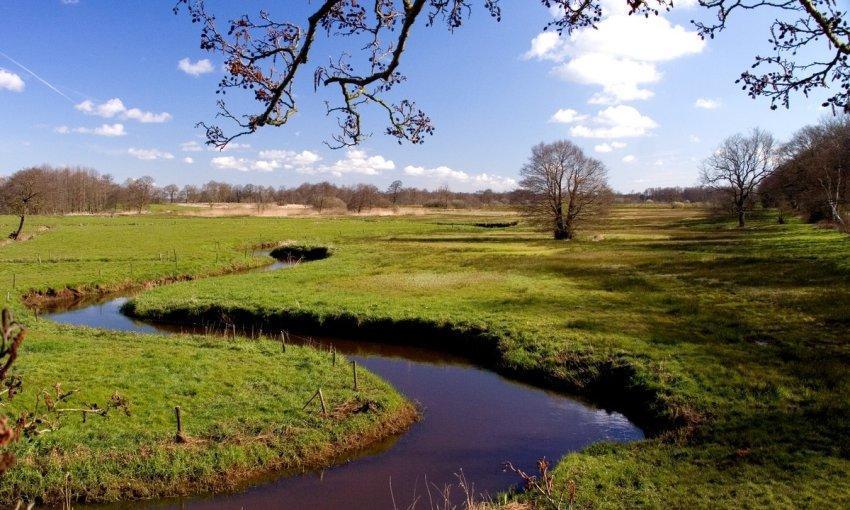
(37, 77)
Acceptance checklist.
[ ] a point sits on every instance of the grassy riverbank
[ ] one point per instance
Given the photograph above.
(733, 342)
(734, 338)
(241, 399)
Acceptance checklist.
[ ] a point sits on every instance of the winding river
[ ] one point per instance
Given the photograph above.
(474, 420)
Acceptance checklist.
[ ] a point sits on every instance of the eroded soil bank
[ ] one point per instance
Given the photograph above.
(611, 383)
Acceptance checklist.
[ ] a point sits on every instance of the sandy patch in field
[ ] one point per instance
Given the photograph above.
(217, 210)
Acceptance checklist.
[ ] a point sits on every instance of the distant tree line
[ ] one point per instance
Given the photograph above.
(48, 190)
(669, 195)
(328, 196)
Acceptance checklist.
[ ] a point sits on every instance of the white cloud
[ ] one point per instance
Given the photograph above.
(106, 109)
(231, 147)
(147, 117)
(264, 165)
(359, 162)
(694, 139)
(567, 116)
(149, 154)
(608, 147)
(110, 130)
(356, 161)
(629, 158)
(198, 68)
(659, 162)
(188, 160)
(231, 163)
(480, 181)
(496, 182)
(291, 159)
(115, 106)
(620, 78)
(707, 104)
(191, 146)
(70, 2)
(11, 81)
(615, 122)
(620, 55)
(544, 46)
(440, 172)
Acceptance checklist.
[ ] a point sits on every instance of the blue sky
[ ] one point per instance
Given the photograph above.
(647, 98)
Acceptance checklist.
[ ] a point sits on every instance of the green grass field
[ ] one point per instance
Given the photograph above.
(731, 343)
(241, 399)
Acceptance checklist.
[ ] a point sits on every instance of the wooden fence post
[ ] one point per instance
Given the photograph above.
(180, 438)
(322, 400)
(321, 396)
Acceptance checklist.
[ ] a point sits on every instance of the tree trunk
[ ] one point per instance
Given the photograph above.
(562, 229)
(15, 235)
(741, 222)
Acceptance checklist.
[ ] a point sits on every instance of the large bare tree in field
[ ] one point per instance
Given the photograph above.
(264, 56)
(565, 187)
(738, 166)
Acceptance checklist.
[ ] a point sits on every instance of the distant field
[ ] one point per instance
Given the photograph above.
(225, 209)
(731, 344)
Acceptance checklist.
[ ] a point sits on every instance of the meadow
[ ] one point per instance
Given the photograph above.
(728, 345)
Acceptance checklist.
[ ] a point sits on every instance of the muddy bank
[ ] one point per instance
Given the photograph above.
(302, 253)
(613, 382)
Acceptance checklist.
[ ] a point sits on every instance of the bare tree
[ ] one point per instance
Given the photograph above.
(565, 187)
(813, 172)
(363, 196)
(738, 166)
(815, 28)
(140, 192)
(171, 191)
(264, 56)
(22, 195)
(393, 191)
(444, 194)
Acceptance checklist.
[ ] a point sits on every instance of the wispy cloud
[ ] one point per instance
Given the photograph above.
(608, 147)
(37, 77)
(231, 163)
(707, 104)
(149, 154)
(108, 130)
(115, 107)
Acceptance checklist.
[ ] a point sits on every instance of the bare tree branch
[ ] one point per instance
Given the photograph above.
(265, 56)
